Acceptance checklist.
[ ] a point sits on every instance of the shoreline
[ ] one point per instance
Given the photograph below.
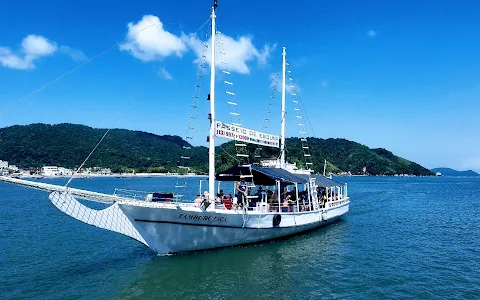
(137, 175)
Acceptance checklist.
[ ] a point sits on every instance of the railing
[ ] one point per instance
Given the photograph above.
(131, 194)
(339, 202)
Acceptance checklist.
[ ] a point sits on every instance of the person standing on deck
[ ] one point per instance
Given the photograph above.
(242, 190)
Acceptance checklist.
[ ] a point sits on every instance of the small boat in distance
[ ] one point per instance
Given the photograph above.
(267, 202)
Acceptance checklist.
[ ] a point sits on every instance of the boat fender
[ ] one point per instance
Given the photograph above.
(276, 220)
(324, 216)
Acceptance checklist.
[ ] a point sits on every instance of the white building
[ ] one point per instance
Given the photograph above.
(13, 168)
(98, 171)
(65, 172)
(50, 171)
(55, 171)
(3, 164)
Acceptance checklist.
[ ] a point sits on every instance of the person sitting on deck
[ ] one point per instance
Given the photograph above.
(304, 199)
(220, 197)
(228, 201)
(198, 201)
(293, 194)
(253, 201)
(324, 197)
(286, 204)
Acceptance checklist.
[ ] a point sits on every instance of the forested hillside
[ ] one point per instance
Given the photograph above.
(68, 145)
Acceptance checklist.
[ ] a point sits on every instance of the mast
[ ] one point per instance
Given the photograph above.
(282, 143)
(211, 151)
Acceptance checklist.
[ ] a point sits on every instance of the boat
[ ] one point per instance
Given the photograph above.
(167, 223)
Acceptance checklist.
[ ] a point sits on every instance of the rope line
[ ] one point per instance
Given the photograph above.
(124, 109)
(76, 68)
(137, 91)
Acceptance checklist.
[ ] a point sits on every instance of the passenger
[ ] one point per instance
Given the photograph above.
(253, 201)
(293, 194)
(220, 197)
(286, 204)
(228, 201)
(260, 193)
(306, 202)
(269, 192)
(198, 201)
(275, 196)
(241, 191)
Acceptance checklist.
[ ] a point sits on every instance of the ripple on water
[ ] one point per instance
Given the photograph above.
(415, 238)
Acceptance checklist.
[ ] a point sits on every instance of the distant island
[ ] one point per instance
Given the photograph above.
(67, 145)
(452, 172)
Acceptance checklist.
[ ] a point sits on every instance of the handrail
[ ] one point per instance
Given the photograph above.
(82, 194)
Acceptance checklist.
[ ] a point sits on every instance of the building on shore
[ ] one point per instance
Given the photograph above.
(51, 171)
(3, 165)
(98, 171)
(13, 168)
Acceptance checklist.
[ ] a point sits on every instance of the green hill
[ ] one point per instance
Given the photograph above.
(67, 145)
(452, 172)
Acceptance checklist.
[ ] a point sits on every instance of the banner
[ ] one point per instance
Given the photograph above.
(246, 135)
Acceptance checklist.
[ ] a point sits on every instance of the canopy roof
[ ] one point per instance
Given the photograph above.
(269, 176)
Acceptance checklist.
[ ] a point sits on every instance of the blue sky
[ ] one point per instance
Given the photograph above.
(403, 75)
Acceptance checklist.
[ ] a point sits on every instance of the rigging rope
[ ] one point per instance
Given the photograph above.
(121, 113)
(115, 121)
(14, 103)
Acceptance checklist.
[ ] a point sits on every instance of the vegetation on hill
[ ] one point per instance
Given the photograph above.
(452, 172)
(68, 145)
(342, 156)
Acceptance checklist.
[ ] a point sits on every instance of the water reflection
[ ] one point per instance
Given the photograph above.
(274, 269)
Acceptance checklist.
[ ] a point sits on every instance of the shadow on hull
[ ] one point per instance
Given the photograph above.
(282, 238)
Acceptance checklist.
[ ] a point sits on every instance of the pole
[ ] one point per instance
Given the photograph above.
(282, 145)
(211, 151)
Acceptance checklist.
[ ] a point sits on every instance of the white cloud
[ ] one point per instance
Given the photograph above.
(75, 54)
(164, 74)
(276, 81)
(238, 52)
(147, 40)
(33, 47)
(371, 33)
(10, 60)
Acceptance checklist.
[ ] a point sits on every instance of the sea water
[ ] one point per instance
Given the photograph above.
(415, 238)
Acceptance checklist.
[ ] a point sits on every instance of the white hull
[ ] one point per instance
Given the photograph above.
(174, 228)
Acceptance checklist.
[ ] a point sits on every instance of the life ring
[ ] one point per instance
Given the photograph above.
(276, 220)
